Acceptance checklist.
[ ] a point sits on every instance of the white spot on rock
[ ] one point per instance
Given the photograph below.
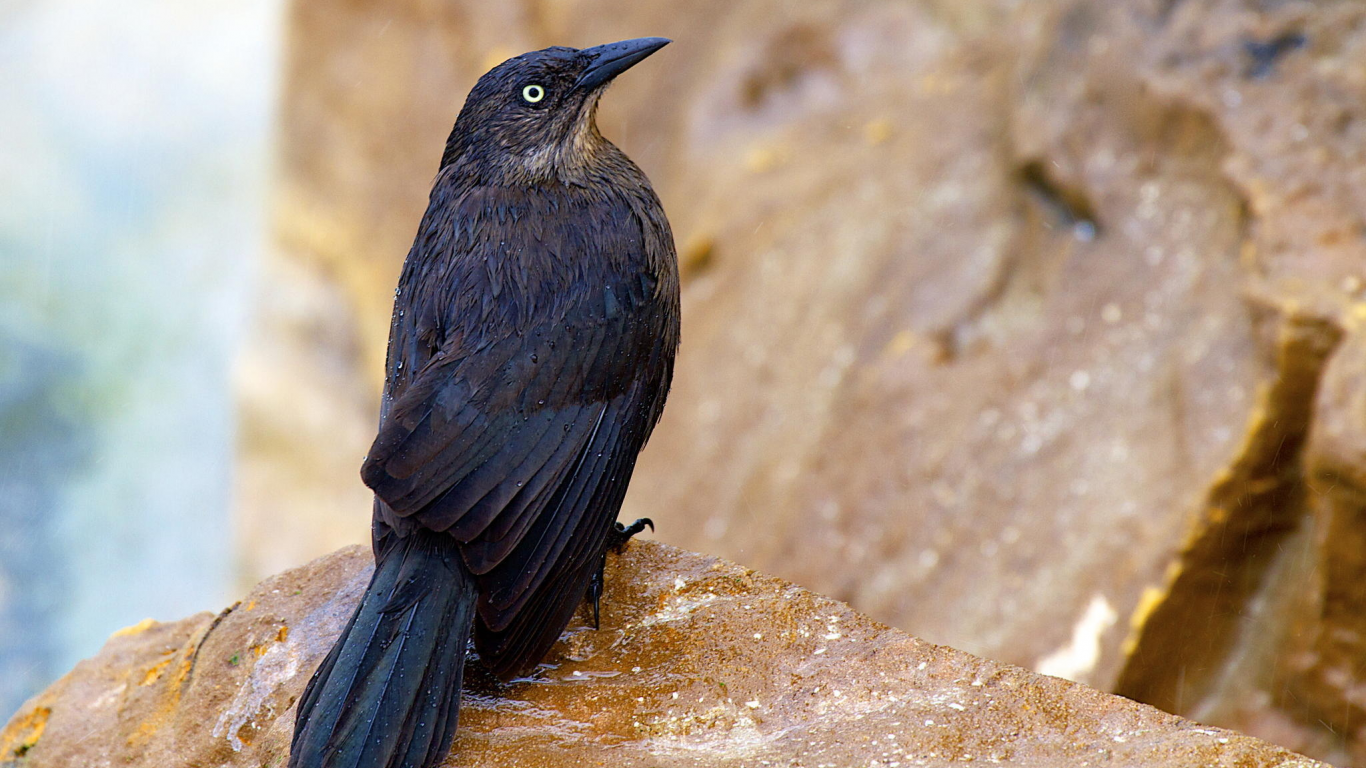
(1078, 658)
(279, 663)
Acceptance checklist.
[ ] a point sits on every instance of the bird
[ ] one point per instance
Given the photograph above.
(531, 349)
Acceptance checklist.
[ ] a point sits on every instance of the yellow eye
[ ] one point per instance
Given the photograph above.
(533, 93)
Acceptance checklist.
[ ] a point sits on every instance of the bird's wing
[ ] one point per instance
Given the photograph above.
(520, 444)
(478, 446)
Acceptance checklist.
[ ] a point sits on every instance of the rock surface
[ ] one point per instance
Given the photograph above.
(699, 662)
(1032, 328)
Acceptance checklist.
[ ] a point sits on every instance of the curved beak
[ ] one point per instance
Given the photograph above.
(607, 61)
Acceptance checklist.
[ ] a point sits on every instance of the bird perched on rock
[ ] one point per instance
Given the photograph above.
(530, 352)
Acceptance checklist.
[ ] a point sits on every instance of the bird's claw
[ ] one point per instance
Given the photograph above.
(622, 533)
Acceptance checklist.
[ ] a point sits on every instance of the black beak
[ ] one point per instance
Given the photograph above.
(607, 61)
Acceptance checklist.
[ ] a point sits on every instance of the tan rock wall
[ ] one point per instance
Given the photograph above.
(1032, 328)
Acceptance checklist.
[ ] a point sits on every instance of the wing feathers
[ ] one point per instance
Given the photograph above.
(516, 418)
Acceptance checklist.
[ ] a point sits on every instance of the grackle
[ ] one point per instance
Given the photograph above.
(531, 348)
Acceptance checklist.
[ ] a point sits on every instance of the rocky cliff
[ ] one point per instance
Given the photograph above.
(1032, 328)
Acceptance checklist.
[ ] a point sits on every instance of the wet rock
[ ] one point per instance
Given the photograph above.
(1031, 328)
(699, 662)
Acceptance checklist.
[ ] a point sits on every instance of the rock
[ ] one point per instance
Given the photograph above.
(1032, 328)
(1324, 659)
(699, 662)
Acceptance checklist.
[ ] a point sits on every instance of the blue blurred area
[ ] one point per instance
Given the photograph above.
(134, 140)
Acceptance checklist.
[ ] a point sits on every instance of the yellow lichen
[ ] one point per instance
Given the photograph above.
(23, 733)
(154, 673)
(136, 629)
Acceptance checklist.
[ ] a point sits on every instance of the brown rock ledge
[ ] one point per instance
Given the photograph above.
(699, 662)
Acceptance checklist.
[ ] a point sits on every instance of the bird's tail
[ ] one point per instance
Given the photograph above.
(388, 694)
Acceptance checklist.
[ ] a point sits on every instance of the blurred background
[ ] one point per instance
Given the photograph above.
(135, 157)
(1033, 328)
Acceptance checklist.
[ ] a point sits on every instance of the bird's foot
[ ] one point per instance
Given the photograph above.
(620, 534)
(616, 539)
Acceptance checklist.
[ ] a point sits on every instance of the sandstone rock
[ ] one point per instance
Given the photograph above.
(1032, 328)
(699, 662)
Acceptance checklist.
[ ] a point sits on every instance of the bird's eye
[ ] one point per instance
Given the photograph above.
(533, 93)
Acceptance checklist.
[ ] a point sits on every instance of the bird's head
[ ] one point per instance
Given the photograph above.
(532, 117)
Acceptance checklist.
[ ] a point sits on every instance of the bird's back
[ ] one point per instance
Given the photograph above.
(531, 353)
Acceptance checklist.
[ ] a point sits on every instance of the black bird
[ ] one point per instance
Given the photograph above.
(530, 352)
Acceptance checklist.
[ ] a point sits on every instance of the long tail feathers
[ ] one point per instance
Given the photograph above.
(388, 695)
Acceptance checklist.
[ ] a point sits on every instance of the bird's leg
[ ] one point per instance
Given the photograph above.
(616, 540)
(595, 590)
